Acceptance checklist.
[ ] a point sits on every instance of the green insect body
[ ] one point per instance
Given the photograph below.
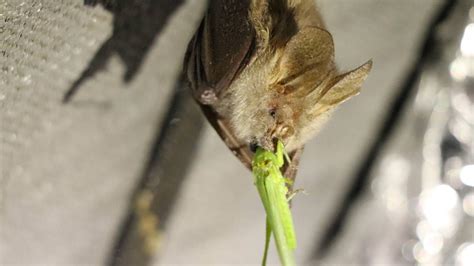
(271, 186)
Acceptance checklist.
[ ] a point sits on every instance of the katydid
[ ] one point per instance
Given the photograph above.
(271, 186)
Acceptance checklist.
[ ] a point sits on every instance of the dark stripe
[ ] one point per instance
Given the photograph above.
(168, 162)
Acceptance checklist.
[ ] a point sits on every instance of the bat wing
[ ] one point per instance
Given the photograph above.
(220, 49)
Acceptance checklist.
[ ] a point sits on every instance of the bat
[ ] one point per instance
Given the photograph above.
(271, 186)
(264, 70)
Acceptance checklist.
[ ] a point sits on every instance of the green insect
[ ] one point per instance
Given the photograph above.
(271, 186)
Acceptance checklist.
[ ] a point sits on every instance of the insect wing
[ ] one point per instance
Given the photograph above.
(279, 216)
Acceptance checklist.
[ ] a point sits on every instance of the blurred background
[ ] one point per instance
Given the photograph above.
(127, 172)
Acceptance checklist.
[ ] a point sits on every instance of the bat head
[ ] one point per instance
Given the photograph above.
(292, 98)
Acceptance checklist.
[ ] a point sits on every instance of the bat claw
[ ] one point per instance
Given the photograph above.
(207, 97)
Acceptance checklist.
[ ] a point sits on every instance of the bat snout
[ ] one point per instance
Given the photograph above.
(266, 143)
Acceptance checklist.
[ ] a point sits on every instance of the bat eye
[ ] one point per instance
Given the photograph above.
(253, 146)
(272, 113)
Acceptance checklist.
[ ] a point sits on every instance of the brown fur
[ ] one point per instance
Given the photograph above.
(291, 85)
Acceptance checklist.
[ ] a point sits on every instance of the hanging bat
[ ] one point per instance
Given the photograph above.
(263, 70)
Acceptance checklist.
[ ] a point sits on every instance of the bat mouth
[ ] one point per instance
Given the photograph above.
(264, 143)
(253, 145)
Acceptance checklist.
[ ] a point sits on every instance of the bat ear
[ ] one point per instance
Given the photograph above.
(305, 60)
(346, 85)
